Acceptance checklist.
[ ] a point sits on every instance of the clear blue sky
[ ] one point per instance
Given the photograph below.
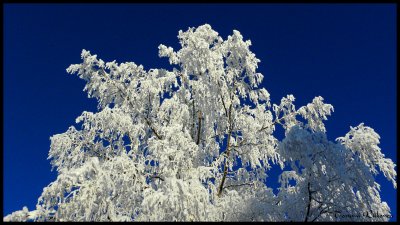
(345, 53)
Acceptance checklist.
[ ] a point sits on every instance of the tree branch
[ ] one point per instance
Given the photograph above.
(130, 103)
(193, 123)
(157, 177)
(309, 202)
(220, 188)
(223, 104)
(279, 120)
(152, 129)
(238, 185)
(199, 129)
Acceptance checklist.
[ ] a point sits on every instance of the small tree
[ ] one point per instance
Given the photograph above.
(196, 143)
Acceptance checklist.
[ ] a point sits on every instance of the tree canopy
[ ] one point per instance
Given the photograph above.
(196, 143)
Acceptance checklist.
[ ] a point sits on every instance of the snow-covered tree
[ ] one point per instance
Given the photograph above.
(195, 143)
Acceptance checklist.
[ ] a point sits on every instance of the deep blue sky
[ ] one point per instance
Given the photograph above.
(345, 53)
